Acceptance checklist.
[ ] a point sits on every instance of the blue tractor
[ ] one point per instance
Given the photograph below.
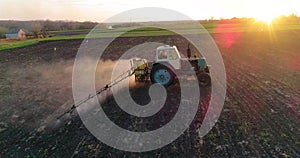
(168, 61)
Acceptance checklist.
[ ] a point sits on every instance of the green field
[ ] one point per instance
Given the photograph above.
(148, 31)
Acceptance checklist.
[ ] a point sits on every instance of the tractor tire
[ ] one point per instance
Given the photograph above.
(204, 79)
(162, 75)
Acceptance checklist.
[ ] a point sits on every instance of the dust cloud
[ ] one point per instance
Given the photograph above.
(40, 93)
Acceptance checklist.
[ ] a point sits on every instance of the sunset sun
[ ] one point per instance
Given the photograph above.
(266, 11)
(267, 19)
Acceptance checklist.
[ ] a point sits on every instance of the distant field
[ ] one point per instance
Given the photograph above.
(146, 31)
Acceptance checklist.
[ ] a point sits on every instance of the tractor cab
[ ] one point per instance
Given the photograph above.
(168, 54)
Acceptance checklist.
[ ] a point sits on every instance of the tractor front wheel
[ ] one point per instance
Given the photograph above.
(162, 75)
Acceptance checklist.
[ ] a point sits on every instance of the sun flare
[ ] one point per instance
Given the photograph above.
(267, 20)
(267, 11)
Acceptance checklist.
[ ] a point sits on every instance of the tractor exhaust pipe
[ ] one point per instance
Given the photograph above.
(188, 51)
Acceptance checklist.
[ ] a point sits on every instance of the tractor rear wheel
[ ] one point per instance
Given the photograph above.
(162, 75)
(204, 79)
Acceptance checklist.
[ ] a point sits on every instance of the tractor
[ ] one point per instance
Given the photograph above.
(167, 62)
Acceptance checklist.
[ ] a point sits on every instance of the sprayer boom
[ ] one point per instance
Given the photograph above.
(118, 79)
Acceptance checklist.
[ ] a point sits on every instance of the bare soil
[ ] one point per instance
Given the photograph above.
(260, 117)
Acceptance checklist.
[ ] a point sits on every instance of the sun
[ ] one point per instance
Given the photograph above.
(266, 19)
(266, 11)
(267, 16)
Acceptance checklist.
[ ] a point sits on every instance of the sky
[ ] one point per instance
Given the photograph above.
(100, 10)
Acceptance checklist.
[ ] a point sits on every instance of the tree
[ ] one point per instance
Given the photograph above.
(36, 28)
(292, 18)
(2, 32)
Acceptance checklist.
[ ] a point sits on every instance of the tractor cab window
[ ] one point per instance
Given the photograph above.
(162, 54)
(173, 55)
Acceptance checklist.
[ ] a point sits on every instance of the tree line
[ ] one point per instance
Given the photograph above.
(36, 27)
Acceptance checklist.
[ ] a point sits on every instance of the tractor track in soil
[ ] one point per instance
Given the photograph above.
(268, 97)
(283, 89)
(252, 104)
(273, 78)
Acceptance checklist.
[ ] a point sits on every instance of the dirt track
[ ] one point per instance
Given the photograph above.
(260, 117)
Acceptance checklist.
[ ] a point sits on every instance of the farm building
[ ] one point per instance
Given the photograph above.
(15, 33)
(110, 27)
